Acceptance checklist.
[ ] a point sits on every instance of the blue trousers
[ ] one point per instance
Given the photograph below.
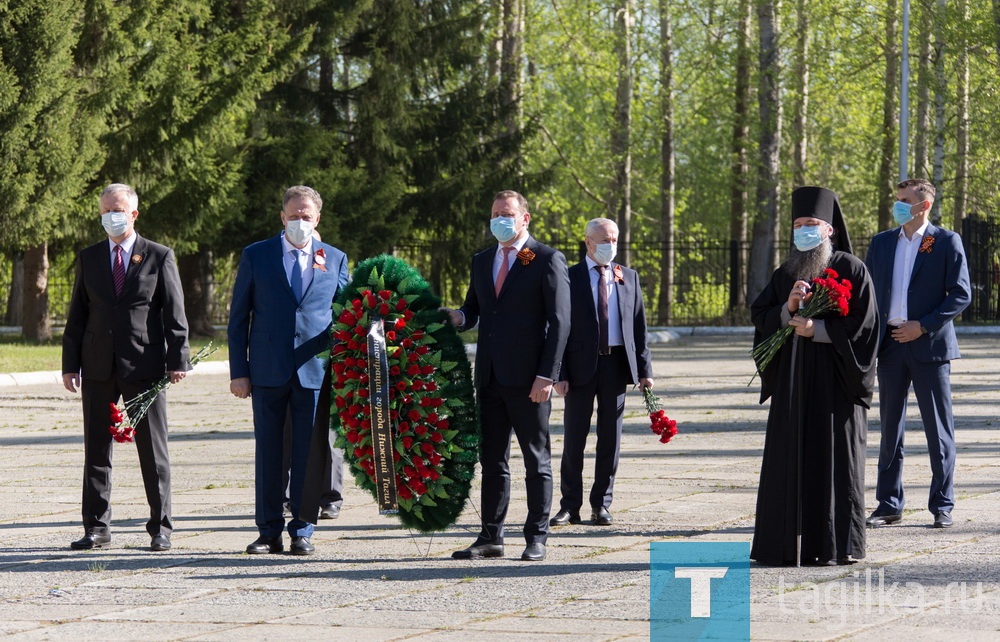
(271, 405)
(897, 369)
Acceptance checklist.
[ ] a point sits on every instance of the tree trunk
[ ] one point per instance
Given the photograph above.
(799, 134)
(890, 120)
(763, 258)
(511, 69)
(15, 298)
(739, 216)
(620, 199)
(962, 171)
(35, 325)
(197, 275)
(665, 303)
(493, 26)
(921, 154)
(940, 86)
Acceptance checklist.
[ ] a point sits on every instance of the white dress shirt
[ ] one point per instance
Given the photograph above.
(902, 269)
(511, 256)
(127, 246)
(615, 337)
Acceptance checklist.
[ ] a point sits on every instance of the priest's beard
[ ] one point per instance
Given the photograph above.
(808, 265)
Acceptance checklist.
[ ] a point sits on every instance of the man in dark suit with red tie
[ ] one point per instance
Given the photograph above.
(519, 295)
(126, 327)
(605, 352)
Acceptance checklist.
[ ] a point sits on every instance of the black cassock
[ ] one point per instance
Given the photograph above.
(830, 396)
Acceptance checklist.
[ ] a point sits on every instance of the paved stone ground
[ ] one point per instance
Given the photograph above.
(372, 580)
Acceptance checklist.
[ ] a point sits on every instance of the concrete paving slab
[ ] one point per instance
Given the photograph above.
(372, 580)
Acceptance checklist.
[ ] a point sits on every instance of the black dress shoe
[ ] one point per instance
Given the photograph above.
(89, 541)
(301, 546)
(330, 511)
(159, 543)
(942, 519)
(479, 551)
(533, 553)
(564, 517)
(877, 519)
(265, 545)
(602, 517)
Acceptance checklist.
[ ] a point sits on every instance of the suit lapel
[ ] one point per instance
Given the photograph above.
(931, 231)
(276, 259)
(316, 272)
(623, 290)
(136, 262)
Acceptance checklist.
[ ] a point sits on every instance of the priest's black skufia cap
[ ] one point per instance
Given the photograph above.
(821, 203)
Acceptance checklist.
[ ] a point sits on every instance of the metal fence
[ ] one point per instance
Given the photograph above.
(705, 284)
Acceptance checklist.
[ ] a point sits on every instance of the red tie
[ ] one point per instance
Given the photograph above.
(504, 269)
(602, 312)
(118, 271)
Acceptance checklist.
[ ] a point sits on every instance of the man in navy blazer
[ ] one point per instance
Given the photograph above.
(606, 350)
(921, 284)
(519, 295)
(279, 338)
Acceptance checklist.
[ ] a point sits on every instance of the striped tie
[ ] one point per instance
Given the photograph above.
(118, 271)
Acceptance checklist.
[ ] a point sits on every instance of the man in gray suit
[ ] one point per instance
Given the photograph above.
(606, 351)
(921, 283)
(519, 295)
(126, 327)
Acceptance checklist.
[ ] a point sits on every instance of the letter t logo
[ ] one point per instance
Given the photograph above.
(701, 586)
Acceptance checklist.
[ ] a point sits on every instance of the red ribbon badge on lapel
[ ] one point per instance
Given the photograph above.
(319, 260)
(926, 245)
(619, 275)
(526, 256)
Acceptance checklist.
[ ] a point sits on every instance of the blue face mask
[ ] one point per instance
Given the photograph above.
(604, 253)
(901, 212)
(807, 237)
(504, 228)
(115, 223)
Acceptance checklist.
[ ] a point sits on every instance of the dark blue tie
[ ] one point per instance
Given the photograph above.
(296, 279)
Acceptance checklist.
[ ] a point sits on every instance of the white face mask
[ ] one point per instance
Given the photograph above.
(298, 232)
(604, 253)
(115, 223)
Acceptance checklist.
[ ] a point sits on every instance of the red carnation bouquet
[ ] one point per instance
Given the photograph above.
(125, 416)
(660, 423)
(829, 294)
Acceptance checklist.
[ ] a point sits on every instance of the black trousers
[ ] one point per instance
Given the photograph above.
(506, 409)
(607, 386)
(150, 444)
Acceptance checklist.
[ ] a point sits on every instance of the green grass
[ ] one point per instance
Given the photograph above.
(18, 355)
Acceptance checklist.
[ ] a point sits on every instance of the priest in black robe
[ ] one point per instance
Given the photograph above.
(811, 499)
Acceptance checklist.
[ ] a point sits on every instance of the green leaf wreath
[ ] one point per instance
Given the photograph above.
(432, 406)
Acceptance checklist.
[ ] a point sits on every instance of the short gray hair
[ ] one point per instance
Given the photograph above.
(115, 188)
(595, 223)
(305, 192)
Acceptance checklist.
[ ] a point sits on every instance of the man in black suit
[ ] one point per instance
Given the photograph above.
(605, 352)
(126, 328)
(519, 295)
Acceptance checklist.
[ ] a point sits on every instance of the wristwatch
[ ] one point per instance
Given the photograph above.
(923, 330)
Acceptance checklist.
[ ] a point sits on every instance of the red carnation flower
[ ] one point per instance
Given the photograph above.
(385, 295)
(437, 437)
(383, 309)
(401, 304)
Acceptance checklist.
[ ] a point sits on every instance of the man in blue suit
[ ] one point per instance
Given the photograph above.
(279, 335)
(921, 284)
(606, 350)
